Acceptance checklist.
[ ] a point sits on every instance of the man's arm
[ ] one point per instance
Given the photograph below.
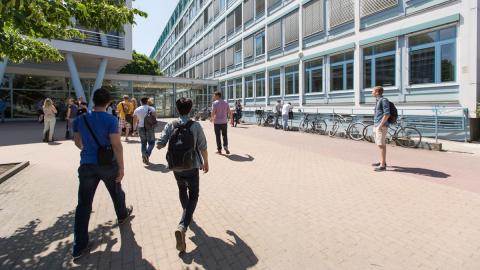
(386, 112)
(202, 146)
(165, 136)
(118, 152)
(69, 111)
(135, 121)
(78, 140)
(205, 166)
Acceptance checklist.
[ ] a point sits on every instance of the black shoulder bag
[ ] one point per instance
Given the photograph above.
(104, 152)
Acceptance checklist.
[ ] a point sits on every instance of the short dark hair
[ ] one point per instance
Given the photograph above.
(144, 100)
(184, 105)
(101, 97)
(218, 94)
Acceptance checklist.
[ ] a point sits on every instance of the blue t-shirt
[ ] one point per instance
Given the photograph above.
(103, 124)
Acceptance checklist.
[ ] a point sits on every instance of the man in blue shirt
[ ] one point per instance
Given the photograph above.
(187, 179)
(380, 122)
(104, 127)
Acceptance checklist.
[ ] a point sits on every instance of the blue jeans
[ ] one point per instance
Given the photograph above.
(187, 180)
(147, 136)
(221, 129)
(89, 176)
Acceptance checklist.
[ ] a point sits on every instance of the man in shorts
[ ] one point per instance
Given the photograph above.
(382, 113)
(125, 114)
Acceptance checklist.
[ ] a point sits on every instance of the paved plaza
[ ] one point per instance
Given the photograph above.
(282, 200)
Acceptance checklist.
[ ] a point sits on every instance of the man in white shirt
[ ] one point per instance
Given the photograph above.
(147, 135)
(285, 110)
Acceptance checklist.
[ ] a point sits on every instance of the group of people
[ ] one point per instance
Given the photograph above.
(285, 111)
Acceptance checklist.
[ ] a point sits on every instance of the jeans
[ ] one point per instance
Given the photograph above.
(285, 121)
(147, 136)
(187, 180)
(277, 117)
(49, 126)
(221, 129)
(89, 176)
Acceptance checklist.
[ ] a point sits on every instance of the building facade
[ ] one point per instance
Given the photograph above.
(327, 54)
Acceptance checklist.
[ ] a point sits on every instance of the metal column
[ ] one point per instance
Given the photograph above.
(98, 80)
(77, 85)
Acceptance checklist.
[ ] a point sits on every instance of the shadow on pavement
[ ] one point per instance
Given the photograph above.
(50, 249)
(158, 168)
(420, 171)
(237, 255)
(15, 133)
(239, 158)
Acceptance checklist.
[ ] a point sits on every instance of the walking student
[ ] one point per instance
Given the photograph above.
(285, 112)
(96, 134)
(72, 110)
(187, 154)
(49, 120)
(125, 113)
(278, 113)
(220, 112)
(238, 112)
(381, 116)
(145, 119)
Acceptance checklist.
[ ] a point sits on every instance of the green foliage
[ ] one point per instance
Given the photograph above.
(23, 23)
(141, 65)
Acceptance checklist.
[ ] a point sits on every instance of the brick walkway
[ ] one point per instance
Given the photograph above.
(280, 201)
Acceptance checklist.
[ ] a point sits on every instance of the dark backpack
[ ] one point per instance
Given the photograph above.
(181, 154)
(150, 120)
(393, 112)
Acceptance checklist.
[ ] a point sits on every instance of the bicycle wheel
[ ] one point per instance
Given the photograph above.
(368, 133)
(334, 129)
(303, 126)
(319, 127)
(355, 132)
(408, 137)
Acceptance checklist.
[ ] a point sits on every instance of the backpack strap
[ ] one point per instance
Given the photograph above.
(189, 124)
(90, 130)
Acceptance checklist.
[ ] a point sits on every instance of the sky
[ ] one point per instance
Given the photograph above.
(147, 30)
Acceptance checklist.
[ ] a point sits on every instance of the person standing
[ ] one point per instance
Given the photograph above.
(220, 112)
(49, 119)
(96, 134)
(380, 123)
(278, 113)
(3, 108)
(285, 112)
(82, 108)
(187, 154)
(146, 130)
(125, 113)
(238, 112)
(72, 110)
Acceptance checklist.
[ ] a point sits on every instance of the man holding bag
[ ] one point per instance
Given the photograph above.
(96, 134)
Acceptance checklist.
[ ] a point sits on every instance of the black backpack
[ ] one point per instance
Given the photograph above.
(150, 120)
(181, 154)
(393, 112)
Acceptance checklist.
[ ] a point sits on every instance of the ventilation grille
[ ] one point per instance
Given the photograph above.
(369, 7)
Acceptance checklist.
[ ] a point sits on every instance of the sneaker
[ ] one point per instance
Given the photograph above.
(380, 169)
(145, 160)
(227, 151)
(79, 254)
(129, 214)
(378, 164)
(219, 152)
(180, 238)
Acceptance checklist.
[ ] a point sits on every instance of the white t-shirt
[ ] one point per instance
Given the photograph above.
(286, 109)
(141, 112)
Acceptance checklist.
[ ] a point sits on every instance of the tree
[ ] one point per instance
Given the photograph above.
(141, 65)
(24, 23)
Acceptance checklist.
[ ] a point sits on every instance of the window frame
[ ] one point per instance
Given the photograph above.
(308, 75)
(344, 64)
(294, 85)
(262, 80)
(271, 83)
(373, 57)
(255, 37)
(249, 80)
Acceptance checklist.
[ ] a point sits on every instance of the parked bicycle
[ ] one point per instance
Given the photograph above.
(399, 132)
(354, 130)
(264, 118)
(315, 125)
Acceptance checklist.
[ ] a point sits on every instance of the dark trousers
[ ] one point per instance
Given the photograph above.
(147, 140)
(221, 129)
(187, 181)
(89, 177)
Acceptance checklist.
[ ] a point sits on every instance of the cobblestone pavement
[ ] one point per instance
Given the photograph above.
(282, 200)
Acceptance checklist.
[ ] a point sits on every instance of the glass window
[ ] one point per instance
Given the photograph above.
(274, 77)
(249, 86)
(379, 65)
(341, 71)
(291, 80)
(238, 53)
(260, 44)
(314, 76)
(260, 84)
(238, 89)
(433, 56)
(230, 87)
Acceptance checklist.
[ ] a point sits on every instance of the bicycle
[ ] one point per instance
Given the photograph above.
(354, 130)
(317, 125)
(264, 119)
(402, 134)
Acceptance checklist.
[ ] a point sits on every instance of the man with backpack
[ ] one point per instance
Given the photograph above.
(101, 158)
(145, 119)
(186, 155)
(125, 113)
(385, 113)
(220, 113)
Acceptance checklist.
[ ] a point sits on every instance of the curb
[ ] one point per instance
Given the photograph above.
(20, 166)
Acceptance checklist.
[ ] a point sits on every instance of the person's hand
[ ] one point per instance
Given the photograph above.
(205, 167)
(120, 175)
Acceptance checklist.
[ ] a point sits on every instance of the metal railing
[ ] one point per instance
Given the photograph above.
(101, 39)
(448, 123)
